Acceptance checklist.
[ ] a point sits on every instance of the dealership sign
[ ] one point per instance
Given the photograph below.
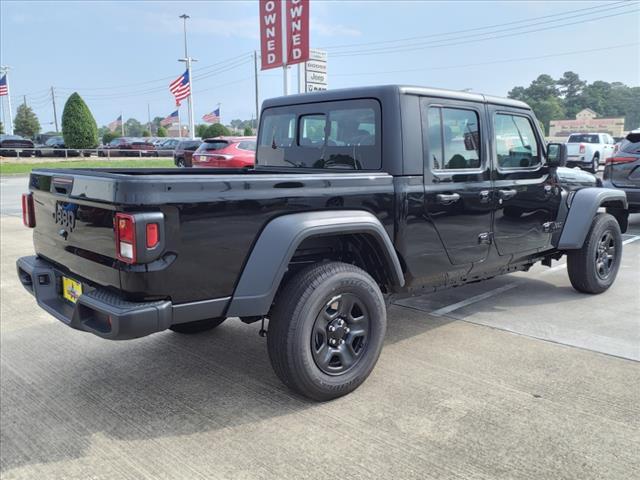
(315, 71)
(275, 50)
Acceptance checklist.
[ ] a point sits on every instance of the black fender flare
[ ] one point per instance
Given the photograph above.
(270, 256)
(584, 206)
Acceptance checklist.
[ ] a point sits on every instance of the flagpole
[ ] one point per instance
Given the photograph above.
(188, 61)
(5, 70)
(179, 125)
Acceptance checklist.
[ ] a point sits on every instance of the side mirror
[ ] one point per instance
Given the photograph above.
(556, 154)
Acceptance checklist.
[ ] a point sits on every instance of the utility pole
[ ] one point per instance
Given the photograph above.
(121, 123)
(255, 73)
(55, 113)
(187, 59)
(149, 118)
(4, 70)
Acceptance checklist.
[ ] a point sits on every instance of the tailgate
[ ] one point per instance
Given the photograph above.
(74, 230)
(573, 149)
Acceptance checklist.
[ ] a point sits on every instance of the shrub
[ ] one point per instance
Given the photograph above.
(79, 128)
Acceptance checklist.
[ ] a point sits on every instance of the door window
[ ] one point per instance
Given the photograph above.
(516, 143)
(453, 138)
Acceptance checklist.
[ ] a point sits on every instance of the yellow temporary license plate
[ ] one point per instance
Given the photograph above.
(71, 290)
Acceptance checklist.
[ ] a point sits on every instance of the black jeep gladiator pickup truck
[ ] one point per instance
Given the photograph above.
(358, 196)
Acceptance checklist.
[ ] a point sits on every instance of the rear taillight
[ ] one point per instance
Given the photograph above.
(582, 148)
(619, 160)
(125, 237)
(28, 210)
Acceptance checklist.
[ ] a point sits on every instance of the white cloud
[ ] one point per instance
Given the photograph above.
(333, 30)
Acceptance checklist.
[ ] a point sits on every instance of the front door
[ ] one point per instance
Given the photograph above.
(458, 190)
(527, 194)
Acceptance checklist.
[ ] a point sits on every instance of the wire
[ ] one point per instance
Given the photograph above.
(423, 45)
(493, 62)
(607, 7)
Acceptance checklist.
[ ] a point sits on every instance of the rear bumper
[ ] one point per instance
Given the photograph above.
(103, 313)
(578, 161)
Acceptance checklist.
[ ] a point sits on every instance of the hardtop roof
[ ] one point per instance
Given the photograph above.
(382, 91)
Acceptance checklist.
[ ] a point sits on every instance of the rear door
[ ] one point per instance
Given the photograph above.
(458, 190)
(527, 194)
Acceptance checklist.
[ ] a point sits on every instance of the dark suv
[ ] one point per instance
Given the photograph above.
(183, 153)
(623, 170)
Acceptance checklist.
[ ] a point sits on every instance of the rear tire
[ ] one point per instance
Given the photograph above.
(595, 164)
(180, 163)
(593, 268)
(197, 326)
(326, 330)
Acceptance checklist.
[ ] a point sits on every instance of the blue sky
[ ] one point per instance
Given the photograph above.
(122, 55)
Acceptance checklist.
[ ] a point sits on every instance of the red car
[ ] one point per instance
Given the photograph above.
(226, 152)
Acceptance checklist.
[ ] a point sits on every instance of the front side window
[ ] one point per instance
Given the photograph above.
(332, 135)
(453, 138)
(516, 143)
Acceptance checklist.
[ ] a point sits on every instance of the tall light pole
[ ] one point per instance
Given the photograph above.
(187, 59)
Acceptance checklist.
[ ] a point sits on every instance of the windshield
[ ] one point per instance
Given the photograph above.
(584, 138)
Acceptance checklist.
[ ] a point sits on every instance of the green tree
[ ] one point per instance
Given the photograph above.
(216, 130)
(79, 128)
(571, 88)
(1, 128)
(162, 132)
(201, 130)
(248, 131)
(26, 123)
(133, 128)
(146, 133)
(108, 136)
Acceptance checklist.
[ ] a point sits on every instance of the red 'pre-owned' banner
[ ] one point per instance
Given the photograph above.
(297, 18)
(271, 33)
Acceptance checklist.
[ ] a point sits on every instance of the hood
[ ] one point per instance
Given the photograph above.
(575, 178)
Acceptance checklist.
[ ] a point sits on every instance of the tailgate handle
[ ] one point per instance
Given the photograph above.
(62, 185)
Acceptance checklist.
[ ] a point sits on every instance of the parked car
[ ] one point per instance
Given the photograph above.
(55, 147)
(226, 152)
(589, 150)
(128, 147)
(359, 196)
(183, 153)
(623, 170)
(166, 147)
(14, 145)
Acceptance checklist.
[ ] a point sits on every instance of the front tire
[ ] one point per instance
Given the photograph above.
(326, 330)
(197, 326)
(593, 268)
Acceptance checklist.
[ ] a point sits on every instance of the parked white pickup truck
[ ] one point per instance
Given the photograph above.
(588, 150)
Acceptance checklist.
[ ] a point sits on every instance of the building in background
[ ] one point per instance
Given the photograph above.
(173, 131)
(586, 121)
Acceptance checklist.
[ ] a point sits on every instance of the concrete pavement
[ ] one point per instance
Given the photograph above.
(454, 395)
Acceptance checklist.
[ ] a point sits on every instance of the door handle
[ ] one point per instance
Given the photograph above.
(447, 198)
(507, 194)
(484, 195)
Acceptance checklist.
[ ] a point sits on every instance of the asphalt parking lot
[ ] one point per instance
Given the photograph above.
(516, 377)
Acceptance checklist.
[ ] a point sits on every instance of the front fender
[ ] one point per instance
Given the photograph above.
(278, 242)
(584, 206)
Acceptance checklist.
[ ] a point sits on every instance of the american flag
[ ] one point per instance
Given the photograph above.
(115, 124)
(213, 117)
(169, 119)
(181, 87)
(4, 88)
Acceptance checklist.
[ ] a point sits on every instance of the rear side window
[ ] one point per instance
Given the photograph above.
(630, 147)
(453, 138)
(331, 135)
(247, 145)
(583, 138)
(516, 143)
